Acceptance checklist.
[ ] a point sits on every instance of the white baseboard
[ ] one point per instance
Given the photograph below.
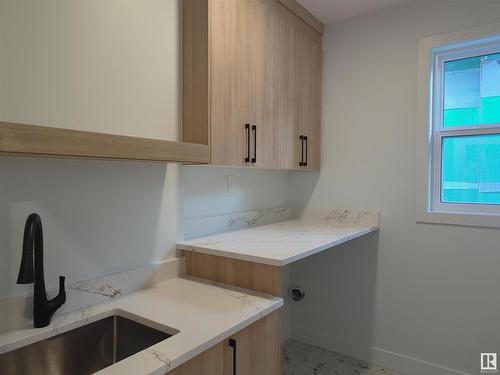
(382, 357)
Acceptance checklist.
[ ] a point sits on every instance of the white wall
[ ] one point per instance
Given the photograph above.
(101, 66)
(109, 66)
(206, 193)
(99, 217)
(93, 65)
(429, 292)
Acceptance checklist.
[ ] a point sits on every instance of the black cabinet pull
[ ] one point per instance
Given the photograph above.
(232, 344)
(254, 130)
(301, 162)
(305, 140)
(247, 132)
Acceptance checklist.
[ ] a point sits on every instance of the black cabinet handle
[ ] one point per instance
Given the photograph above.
(232, 344)
(247, 132)
(305, 140)
(301, 162)
(254, 130)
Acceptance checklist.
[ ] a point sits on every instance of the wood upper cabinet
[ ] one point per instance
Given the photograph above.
(287, 105)
(299, 83)
(230, 73)
(263, 137)
(251, 82)
(309, 128)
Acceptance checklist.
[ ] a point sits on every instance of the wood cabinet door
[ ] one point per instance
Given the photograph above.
(230, 88)
(265, 86)
(310, 107)
(263, 71)
(297, 74)
(255, 349)
(209, 362)
(288, 87)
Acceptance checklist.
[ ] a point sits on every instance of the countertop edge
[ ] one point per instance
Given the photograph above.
(274, 261)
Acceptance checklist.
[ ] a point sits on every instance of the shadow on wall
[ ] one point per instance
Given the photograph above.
(303, 184)
(338, 310)
(99, 217)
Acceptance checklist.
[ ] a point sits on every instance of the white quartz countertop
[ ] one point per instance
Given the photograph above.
(285, 242)
(202, 314)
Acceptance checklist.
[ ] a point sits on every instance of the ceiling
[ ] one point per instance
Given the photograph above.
(330, 11)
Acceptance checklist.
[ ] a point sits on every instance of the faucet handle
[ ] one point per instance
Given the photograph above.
(62, 292)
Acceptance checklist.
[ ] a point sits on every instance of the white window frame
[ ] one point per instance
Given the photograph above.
(433, 53)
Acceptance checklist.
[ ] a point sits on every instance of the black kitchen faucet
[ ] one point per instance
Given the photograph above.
(43, 309)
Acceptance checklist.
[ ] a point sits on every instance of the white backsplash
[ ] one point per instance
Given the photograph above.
(199, 227)
(17, 313)
(341, 217)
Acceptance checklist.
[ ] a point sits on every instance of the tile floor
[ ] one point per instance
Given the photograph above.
(304, 359)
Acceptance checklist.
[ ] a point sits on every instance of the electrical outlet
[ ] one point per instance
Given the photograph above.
(230, 184)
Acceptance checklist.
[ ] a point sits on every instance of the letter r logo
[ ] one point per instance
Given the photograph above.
(489, 363)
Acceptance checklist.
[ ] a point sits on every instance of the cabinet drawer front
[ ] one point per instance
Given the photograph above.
(256, 349)
(209, 362)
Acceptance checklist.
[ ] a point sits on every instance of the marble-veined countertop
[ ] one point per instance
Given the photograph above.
(199, 314)
(285, 242)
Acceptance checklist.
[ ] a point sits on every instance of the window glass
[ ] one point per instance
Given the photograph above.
(471, 169)
(472, 91)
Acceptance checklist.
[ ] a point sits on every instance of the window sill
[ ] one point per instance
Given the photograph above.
(466, 219)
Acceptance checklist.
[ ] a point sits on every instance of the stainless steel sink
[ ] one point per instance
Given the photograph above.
(83, 350)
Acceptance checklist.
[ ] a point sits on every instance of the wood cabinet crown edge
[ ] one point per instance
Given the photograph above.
(304, 14)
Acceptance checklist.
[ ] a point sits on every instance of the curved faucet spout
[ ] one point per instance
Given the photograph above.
(30, 271)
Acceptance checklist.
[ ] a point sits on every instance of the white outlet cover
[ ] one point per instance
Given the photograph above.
(230, 184)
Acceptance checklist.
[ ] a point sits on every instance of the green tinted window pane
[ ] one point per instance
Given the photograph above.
(463, 64)
(490, 110)
(472, 91)
(461, 116)
(494, 56)
(471, 169)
